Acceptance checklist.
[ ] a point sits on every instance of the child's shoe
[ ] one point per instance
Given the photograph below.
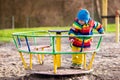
(76, 66)
(73, 65)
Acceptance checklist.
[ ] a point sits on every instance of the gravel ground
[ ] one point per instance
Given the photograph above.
(106, 65)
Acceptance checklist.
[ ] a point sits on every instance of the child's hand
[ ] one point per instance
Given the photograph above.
(71, 40)
(102, 33)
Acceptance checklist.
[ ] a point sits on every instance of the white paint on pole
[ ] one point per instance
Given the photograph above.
(117, 25)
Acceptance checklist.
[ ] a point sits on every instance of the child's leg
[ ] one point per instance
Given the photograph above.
(77, 58)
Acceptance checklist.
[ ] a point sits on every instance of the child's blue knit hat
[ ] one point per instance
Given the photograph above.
(83, 15)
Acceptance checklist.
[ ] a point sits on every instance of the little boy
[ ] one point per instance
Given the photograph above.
(82, 25)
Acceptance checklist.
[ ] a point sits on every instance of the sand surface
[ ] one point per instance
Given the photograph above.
(106, 65)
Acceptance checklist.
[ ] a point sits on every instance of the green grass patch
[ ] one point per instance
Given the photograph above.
(6, 34)
(111, 28)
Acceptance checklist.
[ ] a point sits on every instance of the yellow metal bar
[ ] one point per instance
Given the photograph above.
(91, 61)
(23, 60)
(55, 63)
(39, 59)
(84, 61)
(58, 49)
(42, 56)
(30, 61)
(38, 56)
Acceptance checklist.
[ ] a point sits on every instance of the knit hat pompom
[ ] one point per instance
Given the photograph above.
(83, 15)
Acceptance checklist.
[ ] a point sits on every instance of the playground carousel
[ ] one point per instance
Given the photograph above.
(49, 52)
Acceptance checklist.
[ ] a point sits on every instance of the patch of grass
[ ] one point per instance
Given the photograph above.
(5, 39)
(6, 35)
(111, 28)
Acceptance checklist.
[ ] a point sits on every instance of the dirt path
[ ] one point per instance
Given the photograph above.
(106, 65)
